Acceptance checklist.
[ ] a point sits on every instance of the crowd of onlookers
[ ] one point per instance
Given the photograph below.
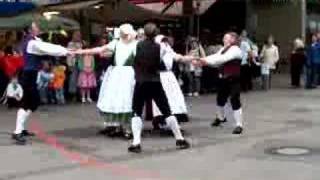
(77, 78)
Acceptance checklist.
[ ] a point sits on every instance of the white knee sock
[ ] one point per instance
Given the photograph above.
(221, 113)
(238, 117)
(173, 124)
(136, 126)
(27, 116)
(21, 118)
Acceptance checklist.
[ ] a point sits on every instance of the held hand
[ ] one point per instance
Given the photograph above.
(72, 52)
(188, 58)
(196, 62)
(76, 52)
(203, 62)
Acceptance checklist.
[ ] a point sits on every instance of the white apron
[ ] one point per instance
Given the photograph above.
(118, 83)
(172, 89)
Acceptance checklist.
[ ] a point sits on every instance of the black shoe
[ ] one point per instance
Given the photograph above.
(19, 138)
(182, 144)
(237, 130)
(217, 122)
(106, 130)
(135, 148)
(27, 133)
(103, 132)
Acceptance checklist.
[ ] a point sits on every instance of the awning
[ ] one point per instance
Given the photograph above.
(8, 9)
(72, 5)
(21, 21)
(176, 9)
(129, 12)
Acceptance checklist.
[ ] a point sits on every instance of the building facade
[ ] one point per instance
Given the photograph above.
(284, 19)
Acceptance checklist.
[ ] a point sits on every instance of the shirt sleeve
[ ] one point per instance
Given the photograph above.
(111, 46)
(276, 54)
(218, 58)
(43, 48)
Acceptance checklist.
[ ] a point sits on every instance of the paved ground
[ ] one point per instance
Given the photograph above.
(68, 147)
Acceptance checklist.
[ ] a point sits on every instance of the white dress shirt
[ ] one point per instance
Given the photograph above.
(234, 52)
(38, 47)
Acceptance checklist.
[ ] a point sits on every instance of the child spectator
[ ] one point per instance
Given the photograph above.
(58, 83)
(87, 79)
(45, 76)
(14, 93)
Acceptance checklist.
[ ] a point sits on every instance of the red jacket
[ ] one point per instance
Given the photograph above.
(11, 64)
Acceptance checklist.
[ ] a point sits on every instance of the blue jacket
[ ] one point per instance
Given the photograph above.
(313, 54)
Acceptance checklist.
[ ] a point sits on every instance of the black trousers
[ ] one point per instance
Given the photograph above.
(12, 103)
(146, 91)
(229, 88)
(296, 71)
(31, 97)
(246, 78)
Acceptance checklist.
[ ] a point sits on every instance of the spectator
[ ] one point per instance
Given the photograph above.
(45, 76)
(246, 77)
(73, 71)
(102, 62)
(14, 93)
(312, 64)
(269, 57)
(254, 58)
(87, 78)
(194, 48)
(58, 83)
(298, 58)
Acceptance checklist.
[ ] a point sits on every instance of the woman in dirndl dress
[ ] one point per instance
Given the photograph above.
(170, 84)
(116, 92)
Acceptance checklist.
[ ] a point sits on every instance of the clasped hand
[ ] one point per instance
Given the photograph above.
(199, 62)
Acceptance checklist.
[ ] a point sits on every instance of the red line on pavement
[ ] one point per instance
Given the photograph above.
(85, 160)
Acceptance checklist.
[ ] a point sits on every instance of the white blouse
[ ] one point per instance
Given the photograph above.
(123, 50)
(167, 55)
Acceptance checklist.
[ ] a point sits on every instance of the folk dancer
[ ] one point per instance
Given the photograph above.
(116, 91)
(148, 86)
(228, 59)
(33, 50)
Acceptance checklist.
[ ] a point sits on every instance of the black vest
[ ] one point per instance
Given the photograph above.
(231, 68)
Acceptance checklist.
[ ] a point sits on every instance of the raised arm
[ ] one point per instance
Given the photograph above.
(167, 49)
(98, 50)
(93, 51)
(43, 48)
(217, 59)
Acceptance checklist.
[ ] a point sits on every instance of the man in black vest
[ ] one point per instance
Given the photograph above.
(34, 49)
(148, 86)
(228, 59)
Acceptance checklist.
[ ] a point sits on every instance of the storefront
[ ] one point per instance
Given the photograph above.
(284, 19)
